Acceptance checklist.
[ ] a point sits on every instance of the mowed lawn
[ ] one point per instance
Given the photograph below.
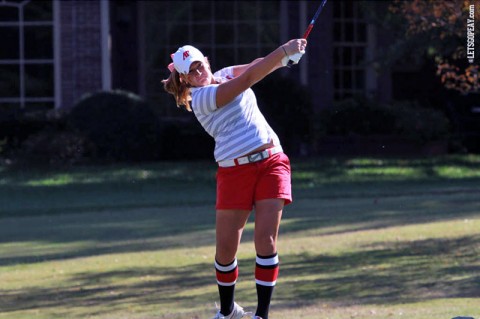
(364, 238)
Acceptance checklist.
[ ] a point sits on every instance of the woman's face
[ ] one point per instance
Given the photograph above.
(200, 74)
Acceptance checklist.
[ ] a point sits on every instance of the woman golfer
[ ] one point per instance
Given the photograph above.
(253, 172)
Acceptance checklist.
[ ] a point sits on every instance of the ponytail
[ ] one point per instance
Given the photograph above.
(179, 89)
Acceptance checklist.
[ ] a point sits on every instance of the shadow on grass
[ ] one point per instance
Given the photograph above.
(100, 233)
(60, 237)
(33, 192)
(396, 272)
(91, 219)
(399, 272)
(340, 215)
(102, 289)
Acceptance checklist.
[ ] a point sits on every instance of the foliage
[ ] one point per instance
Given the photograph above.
(438, 30)
(53, 145)
(185, 139)
(365, 117)
(16, 126)
(119, 125)
(418, 123)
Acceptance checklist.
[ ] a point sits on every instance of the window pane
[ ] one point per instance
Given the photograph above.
(360, 80)
(224, 10)
(39, 80)
(223, 58)
(180, 12)
(348, 6)
(347, 56)
(347, 79)
(337, 32)
(246, 33)
(201, 11)
(359, 57)
(337, 80)
(337, 9)
(361, 32)
(9, 80)
(269, 34)
(8, 13)
(349, 32)
(38, 10)
(10, 43)
(247, 55)
(38, 42)
(225, 34)
(201, 34)
(247, 10)
(337, 56)
(268, 10)
(179, 34)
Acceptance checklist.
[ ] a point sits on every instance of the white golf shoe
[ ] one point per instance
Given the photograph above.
(237, 313)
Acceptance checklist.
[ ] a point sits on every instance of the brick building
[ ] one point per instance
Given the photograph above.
(58, 50)
(54, 51)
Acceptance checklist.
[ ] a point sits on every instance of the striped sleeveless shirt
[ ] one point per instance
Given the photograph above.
(238, 127)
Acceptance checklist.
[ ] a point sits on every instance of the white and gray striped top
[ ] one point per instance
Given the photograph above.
(238, 127)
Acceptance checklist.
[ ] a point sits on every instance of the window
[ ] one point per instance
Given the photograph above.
(349, 49)
(26, 58)
(228, 32)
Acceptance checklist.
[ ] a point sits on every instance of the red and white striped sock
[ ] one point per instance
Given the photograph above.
(266, 273)
(226, 278)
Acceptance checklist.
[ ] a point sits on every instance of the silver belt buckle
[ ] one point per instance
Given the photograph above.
(255, 157)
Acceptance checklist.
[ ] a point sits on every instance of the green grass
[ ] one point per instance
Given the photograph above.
(364, 238)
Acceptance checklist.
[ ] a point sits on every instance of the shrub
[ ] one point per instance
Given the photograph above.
(288, 109)
(16, 125)
(418, 123)
(184, 139)
(357, 116)
(118, 125)
(366, 118)
(53, 146)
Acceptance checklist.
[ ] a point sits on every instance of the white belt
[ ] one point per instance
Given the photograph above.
(252, 158)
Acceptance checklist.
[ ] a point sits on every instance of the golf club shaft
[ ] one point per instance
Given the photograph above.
(310, 26)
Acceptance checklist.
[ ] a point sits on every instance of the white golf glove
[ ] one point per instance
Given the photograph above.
(296, 57)
(292, 59)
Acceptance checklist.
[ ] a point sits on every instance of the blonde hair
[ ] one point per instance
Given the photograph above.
(179, 89)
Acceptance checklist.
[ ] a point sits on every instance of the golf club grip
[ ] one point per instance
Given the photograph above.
(307, 32)
(310, 26)
(305, 36)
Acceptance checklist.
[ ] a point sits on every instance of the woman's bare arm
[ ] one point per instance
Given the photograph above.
(249, 74)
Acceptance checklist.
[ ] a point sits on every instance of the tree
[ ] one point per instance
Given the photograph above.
(443, 30)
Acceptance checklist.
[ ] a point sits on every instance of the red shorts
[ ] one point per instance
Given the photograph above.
(238, 187)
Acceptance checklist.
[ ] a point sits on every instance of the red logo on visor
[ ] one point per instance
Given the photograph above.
(186, 54)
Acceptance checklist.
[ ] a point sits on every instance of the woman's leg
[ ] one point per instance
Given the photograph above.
(268, 213)
(229, 229)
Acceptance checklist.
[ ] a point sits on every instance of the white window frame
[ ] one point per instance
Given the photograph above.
(22, 99)
(213, 22)
(368, 47)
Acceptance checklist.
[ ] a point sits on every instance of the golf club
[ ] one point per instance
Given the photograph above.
(307, 32)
